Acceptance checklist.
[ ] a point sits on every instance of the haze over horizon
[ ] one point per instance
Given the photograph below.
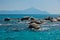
(26, 11)
(51, 6)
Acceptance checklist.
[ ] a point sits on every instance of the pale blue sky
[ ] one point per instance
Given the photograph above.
(51, 6)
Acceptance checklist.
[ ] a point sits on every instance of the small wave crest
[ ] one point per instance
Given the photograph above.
(5, 24)
(51, 25)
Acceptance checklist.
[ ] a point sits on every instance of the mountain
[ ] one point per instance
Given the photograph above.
(26, 11)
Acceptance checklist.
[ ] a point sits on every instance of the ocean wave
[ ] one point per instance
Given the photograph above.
(5, 24)
(51, 25)
(44, 28)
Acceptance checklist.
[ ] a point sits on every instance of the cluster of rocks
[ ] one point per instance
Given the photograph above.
(34, 23)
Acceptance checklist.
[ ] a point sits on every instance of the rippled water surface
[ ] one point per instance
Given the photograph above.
(23, 33)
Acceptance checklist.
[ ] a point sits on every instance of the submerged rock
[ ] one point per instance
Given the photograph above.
(7, 19)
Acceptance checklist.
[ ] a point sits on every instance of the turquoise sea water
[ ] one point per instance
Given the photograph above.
(7, 34)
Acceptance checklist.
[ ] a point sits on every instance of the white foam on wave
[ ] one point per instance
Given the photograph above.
(0, 24)
(55, 24)
(51, 25)
(44, 28)
(41, 29)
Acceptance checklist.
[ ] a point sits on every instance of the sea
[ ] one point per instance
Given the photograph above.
(22, 32)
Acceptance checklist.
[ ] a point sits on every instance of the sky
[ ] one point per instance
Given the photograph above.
(51, 6)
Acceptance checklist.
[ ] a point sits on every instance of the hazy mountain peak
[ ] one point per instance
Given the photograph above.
(34, 10)
(31, 8)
